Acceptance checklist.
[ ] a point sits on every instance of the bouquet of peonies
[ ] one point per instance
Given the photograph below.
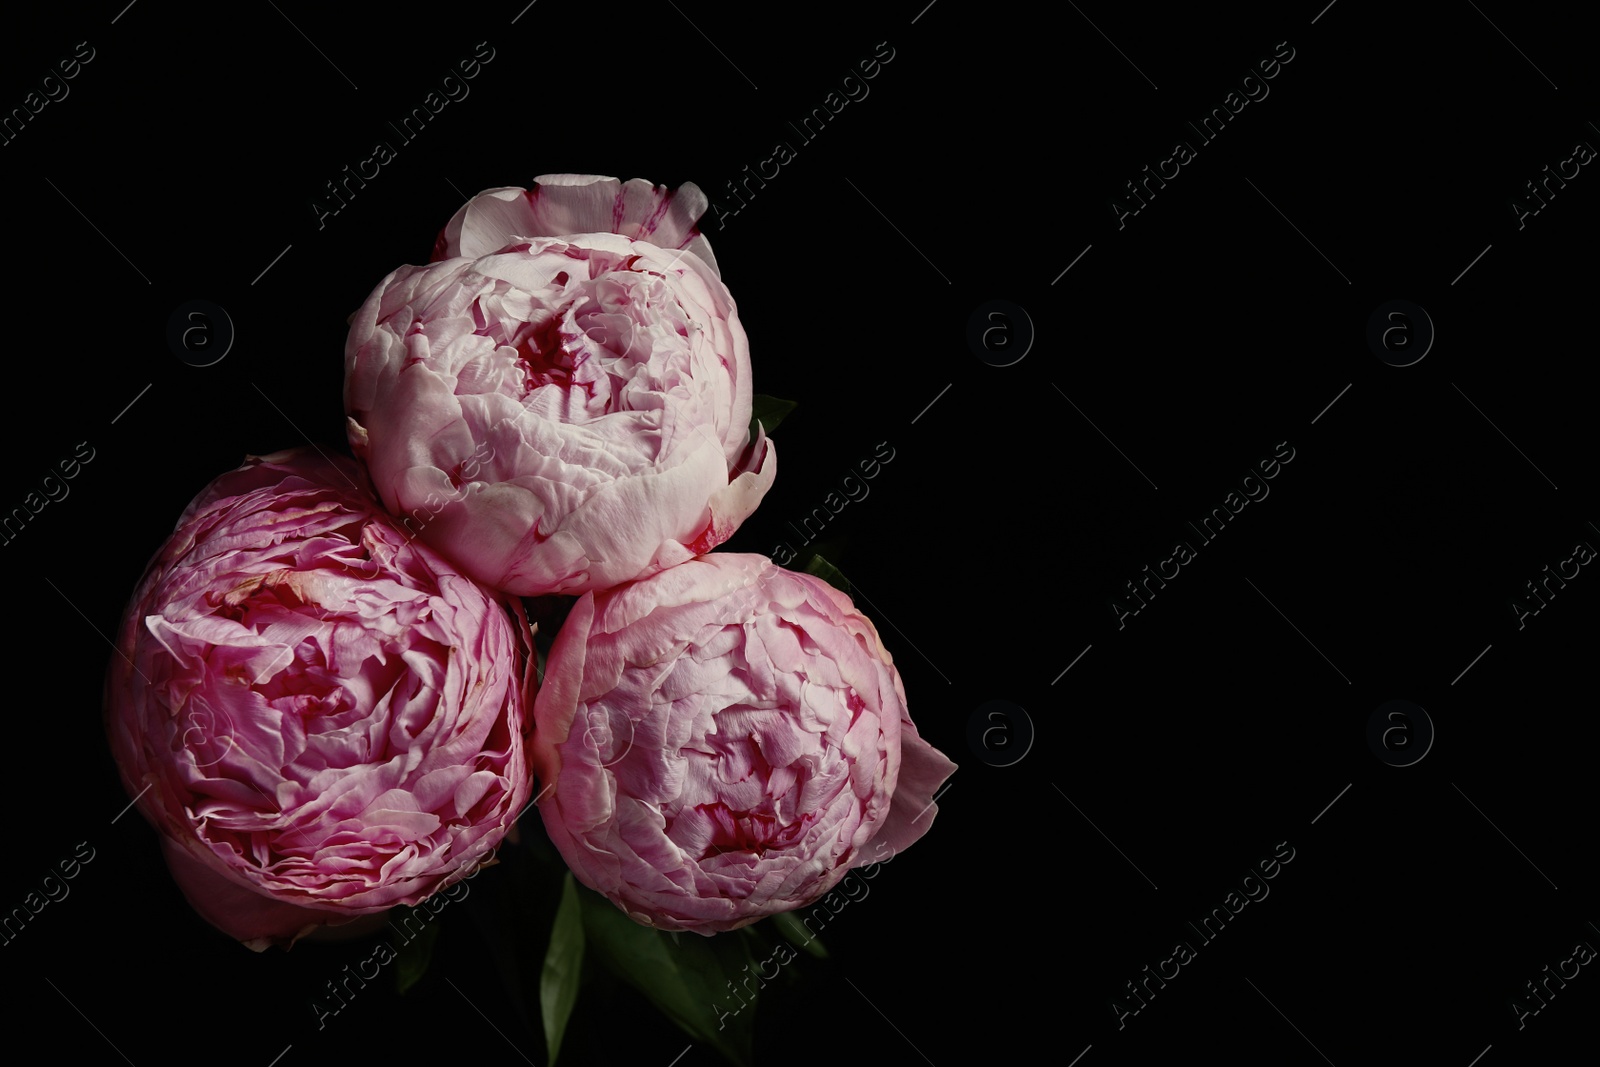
(327, 695)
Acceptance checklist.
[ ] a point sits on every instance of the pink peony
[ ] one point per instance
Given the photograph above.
(321, 718)
(723, 741)
(562, 402)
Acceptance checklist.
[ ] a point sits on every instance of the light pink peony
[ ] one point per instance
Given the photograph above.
(321, 718)
(723, 741)
(562, 402)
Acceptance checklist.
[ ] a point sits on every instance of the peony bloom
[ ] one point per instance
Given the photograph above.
(321, 718)
(723, 741)
(562, 402)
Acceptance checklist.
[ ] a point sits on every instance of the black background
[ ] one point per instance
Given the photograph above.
(1179, 350)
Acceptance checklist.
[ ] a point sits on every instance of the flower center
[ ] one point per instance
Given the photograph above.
(545, 361)
(749, 831)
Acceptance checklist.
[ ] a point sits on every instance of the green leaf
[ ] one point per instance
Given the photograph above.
(415, 955)
(563, 966)
(796, 933)
(768, 411)
(820, 567)
(686, 976)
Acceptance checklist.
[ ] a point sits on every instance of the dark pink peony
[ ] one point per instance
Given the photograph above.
(723, 741)
(322, 718)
